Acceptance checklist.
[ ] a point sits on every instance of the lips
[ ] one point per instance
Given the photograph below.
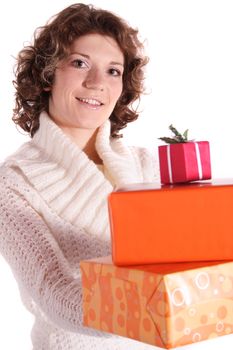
(93, 102)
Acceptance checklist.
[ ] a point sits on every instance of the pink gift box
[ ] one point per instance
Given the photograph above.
(184, 162)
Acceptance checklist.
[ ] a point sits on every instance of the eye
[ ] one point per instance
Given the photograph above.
(78, 63)
(115, 72)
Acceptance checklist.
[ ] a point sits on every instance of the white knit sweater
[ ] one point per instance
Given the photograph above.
(53, 213)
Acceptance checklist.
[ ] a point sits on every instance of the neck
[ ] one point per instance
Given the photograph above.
(85, 140)
(90, 149)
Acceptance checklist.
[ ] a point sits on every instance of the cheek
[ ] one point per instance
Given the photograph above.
(64, 80)
(117, 92)
(62, 89)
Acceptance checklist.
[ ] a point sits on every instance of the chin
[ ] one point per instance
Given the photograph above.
(91, 125)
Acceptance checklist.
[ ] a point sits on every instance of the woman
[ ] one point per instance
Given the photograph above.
(74, 89)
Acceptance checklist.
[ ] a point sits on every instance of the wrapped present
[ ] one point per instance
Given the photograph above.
(151, 223)
(167, 305)
(182, 160)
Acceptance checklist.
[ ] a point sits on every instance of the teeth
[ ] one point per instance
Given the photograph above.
(90, 101)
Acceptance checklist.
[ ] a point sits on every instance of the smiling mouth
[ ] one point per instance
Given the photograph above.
(90, 101)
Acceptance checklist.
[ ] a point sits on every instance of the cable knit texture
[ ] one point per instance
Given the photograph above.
(53, 213)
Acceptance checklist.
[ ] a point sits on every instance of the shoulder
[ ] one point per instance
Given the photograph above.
(13, 180)
(148, 161)
(24, 152)
(11, 168)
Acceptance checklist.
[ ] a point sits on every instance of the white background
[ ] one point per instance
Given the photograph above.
(190, 84)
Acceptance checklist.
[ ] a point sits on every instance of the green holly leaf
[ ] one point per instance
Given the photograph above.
(168, 140)
(185, 135)
(175, 132)
(177, 138)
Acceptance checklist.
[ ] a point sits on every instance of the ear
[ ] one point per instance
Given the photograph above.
(47, 89)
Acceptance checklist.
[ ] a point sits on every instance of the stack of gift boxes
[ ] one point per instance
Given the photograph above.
(169, 281)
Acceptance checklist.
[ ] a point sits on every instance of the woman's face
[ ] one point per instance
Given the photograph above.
(88, 83)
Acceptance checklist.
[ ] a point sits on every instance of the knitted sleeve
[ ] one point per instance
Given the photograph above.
(148, 164)
(37, 262)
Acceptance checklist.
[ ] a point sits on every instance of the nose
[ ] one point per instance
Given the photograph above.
(94, 80)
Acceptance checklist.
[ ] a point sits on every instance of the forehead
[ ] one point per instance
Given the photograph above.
(97, 45)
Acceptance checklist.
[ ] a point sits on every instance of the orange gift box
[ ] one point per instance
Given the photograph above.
(167, 305)
(152, 223)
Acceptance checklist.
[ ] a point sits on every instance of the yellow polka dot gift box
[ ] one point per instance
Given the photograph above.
(167, 305)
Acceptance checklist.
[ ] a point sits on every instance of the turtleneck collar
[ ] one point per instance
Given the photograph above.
(69, 182)
(57, 145)
(120, 163)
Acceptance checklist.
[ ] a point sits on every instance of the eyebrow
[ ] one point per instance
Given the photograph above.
(87, 56)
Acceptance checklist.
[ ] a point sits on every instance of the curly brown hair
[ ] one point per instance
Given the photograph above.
(36, 63)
